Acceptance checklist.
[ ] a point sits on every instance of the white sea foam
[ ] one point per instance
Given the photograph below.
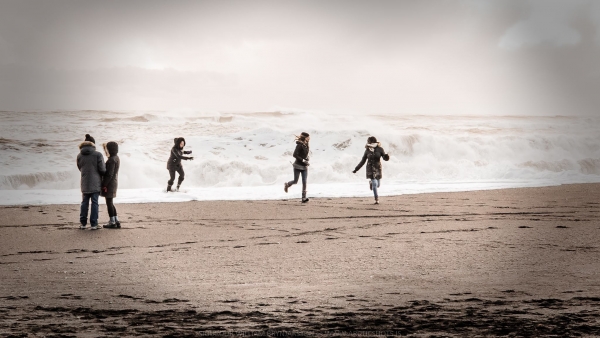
(247, 155)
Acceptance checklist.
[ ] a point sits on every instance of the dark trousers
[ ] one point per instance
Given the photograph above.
(85, 205)
(172, 171)
(112, 211)
(297, 173)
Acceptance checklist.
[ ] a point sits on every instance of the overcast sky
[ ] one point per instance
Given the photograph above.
(383, 57)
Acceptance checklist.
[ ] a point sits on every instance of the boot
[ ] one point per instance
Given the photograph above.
(178, 187)
(377, 201)
(111, 224)
(285, 186)
(168, 188)
(304, 198)
(117, 222)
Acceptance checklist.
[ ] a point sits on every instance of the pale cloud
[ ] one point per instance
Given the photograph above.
(549, 22)
(380, 56)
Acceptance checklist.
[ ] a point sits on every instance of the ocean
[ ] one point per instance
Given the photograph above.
(241, 156)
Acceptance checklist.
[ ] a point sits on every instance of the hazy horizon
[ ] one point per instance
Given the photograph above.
(442, 57)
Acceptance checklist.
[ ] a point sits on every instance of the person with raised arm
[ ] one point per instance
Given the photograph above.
(372, 156)
(174, 162)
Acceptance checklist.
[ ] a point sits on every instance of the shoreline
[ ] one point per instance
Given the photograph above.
(493, 262)
(33, 197)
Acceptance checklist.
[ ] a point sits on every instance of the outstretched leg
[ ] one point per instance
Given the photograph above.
(296, 176)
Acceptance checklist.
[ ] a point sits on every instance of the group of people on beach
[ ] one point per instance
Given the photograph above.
(98, 179)
(101, 179)
(372, 157)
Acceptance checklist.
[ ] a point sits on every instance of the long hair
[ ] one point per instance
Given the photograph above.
(300, 138)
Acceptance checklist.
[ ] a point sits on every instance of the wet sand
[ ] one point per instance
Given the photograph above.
(521, 262)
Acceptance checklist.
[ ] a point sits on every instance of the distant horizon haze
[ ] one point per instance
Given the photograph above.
(433, 57)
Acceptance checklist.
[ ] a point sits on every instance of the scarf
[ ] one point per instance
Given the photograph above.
(372, 146)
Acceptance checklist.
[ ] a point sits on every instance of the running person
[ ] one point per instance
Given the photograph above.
(301, 164)
(174, 162)
(373, 155)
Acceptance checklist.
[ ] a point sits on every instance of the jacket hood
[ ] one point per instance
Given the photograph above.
(177, 140)
(87, 144)
(111, 148)
(87, 147)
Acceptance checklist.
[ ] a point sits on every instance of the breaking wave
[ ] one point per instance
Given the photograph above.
(38, 150)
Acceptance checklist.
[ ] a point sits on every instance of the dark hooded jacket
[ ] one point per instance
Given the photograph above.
(111, 177)
(300, 154)
(91, 164)
(373, 160)
(177, 154)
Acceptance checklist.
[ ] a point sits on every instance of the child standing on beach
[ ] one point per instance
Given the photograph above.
(373, 155)
(174, 162)
(91, 165)
(301, 164)
(110, 182)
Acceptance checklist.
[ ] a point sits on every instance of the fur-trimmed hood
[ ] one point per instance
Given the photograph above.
(111, 148)
(373, 145)
(87, 147)
(87, 144)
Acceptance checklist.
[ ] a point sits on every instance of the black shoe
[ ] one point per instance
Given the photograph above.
(168, 188)
(304, 200)
(118, 224)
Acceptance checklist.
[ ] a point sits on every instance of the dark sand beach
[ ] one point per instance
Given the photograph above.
(513, 262)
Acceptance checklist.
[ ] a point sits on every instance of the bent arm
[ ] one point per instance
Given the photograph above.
(110, 173)
(385, 156)
(178, 156)
(297, 153)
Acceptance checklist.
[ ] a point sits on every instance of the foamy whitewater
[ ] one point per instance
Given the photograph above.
(248, 155)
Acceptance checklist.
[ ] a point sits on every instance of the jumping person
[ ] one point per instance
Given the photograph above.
(301, 164)
(372, 156)
(110, 182)
(91, 165)
(174, 163)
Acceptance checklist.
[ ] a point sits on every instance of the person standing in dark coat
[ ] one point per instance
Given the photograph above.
(373, 155)
(110, 182)
(301, 164)
(91, 165)
(174, 162)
